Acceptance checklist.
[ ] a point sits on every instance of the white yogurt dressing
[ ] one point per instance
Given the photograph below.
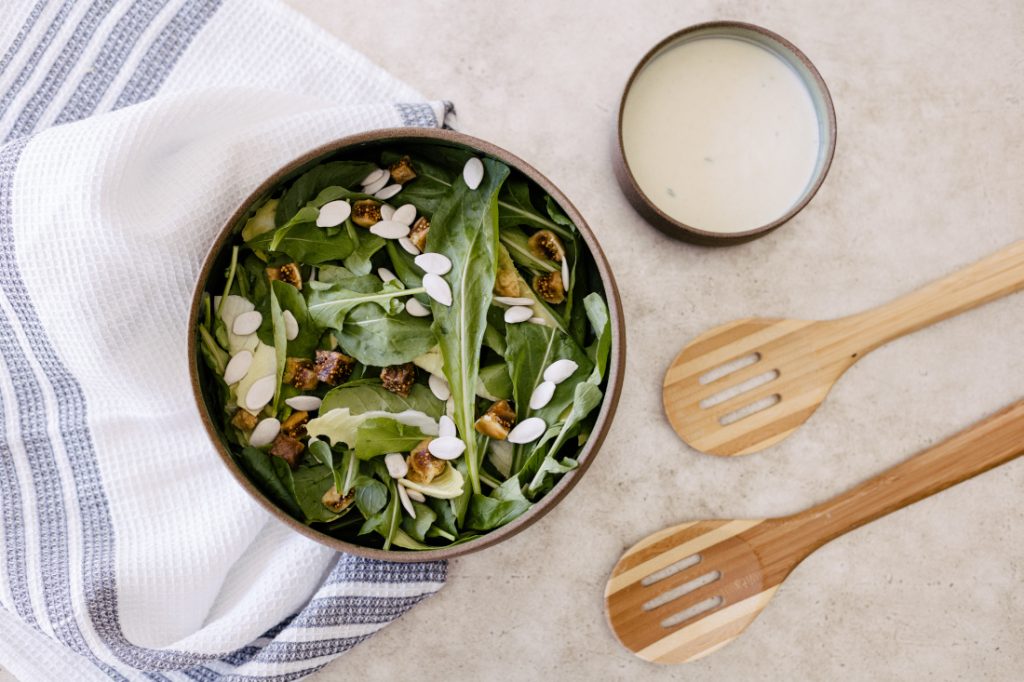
(721, 134)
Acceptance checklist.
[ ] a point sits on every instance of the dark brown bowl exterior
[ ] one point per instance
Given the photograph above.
(615, 371)
(669, 225)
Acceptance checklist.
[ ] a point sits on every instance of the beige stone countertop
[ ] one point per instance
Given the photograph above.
(928, 176)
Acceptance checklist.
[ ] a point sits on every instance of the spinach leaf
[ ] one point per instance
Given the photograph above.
(374, 398)
(598, 351)
(494, 335)
(501, 506)
(444, 515)
(312, 182)
(311, 481)
(322, 452)
(374, 338)
(371, 495)
(515, 207)
(556, 213)
(289, 298)
(367, 244)
(548, 472)
(303, 241)
(418, 527)
(464, 228)
(436, 171)
(387, 521)
(403, 540)
(405, 268)
(380, 435)
(330, 304)
(531, 349)
(497, 381)
(259, 467)
(461, 503)
(280, 343)
(333, 193)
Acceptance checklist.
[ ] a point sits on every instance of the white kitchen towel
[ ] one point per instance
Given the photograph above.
(129, 131)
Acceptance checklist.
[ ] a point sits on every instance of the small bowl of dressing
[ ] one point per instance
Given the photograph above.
(726, 131)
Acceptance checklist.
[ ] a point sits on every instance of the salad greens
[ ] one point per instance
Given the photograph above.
(411, 409)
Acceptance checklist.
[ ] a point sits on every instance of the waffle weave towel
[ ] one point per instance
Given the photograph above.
(129, 131)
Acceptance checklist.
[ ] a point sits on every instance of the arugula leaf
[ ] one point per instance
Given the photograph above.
(531, 349)
(259, 467)
(586, 397)
(375, 398)
(312, 182)
(548, 472)
(503, 505)
(515, 207)
(329, 304)
(518, 244)
(381, 435)
(303, 241)
(598, 351)
(374, 338)
(437, 167)
(464, 228)
(215, 356)
(405, 268)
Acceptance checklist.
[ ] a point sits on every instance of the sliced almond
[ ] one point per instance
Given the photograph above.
(377, 184)
(333, 213)
(408, 246)
(386, 275)
(403, 496)
(517, 314)
(405, 214)
(265, 432)
(434, 263)
(373, 177)
(260, 393)
(291, 325)
(565, 274)
(449, 407)
(304, 403)
(473, 172)
(542, 395)
(437, 289)
(538, 320)
(527, 431)
(447, 447)
(560, 370)
(387, 192)
(439, 387)
(415, 495)
(396, 464)
(247, 323)
(390, 230)
(416, 309)
(446, 427)
(387, 212)
(513, 300)
(238, 367)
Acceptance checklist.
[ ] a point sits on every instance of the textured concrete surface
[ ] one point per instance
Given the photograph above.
(927, 177)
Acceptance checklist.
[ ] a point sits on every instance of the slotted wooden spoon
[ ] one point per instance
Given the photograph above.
(688, 590)
(748, 384)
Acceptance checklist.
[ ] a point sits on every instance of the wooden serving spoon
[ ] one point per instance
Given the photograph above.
(746, 385)
(688, 590)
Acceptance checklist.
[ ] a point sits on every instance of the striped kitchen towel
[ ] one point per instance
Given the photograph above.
(129, 130)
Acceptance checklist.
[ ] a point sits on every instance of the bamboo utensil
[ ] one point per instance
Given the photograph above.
(748, 384)
(685, 591)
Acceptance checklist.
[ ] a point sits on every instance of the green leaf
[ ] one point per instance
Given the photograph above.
(312, 182)
(418, 527)
(586, 397)
(258, 466)
(503, 505)
(531, 349)
(444, 516)
(380, 435)
(556, 213)
(290, 298)
(330, 304)
(311, 481)
(405, 268)
(374, 338)
(436, 167)
(597, 312)
(374, 398)
(448, 486)
(405, 541)
(464, 228)
(322, 452)
(371, 495)
(367, 244)
(497, 381)
(515, 207)
(215, 356)
(303, 241)
(517, 243)
(280, 342)
(340, 426)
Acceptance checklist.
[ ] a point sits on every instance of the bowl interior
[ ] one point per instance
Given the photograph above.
(366, 145)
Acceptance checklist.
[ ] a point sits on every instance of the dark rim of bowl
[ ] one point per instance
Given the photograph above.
(669, 225)
(614, 376)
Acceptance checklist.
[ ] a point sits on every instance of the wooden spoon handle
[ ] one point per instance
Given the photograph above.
(992, 277)
(987, 444)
